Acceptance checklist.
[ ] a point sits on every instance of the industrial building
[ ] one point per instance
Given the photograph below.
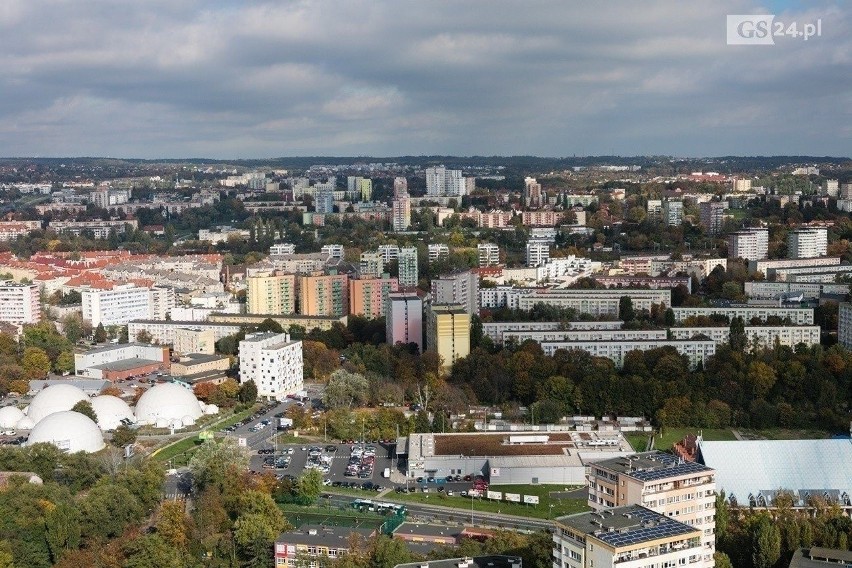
(121, 361)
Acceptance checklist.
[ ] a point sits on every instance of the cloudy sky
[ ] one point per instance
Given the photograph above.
(244, 78)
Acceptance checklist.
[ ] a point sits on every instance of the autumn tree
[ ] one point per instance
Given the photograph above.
(84, 407)
(35, 362)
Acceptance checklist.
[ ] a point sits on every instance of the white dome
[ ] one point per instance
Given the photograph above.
(188, 421)
(110, 411)
(166, 402)
(69, 431)
(9, 416)
(54, 398)
(211, 409)
(25, 423)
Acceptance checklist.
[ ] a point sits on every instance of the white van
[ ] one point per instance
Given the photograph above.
(386, 473)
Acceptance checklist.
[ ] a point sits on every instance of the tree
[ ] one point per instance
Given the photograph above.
(100, 334)
(152, 551)
(254, 537)
(144, 337)
(737, 339)
(35, 362)
(722, 560)
(388, 552)
(247, 393)
(765, 542)
(62, 529)
(107, 510)
(64, 363)
(309, 485)
(123, 436)
(7, 558)
(625, 309)
(213, 462)
(346, 389)
(84, 407)
(172, 524)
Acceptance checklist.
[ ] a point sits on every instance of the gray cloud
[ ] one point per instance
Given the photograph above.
(167, 78)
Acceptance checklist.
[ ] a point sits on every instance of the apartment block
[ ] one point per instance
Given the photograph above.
(437, 251)
(663, 483)
(844, 325)
(367, 296)
(489, 254)
(811, 242)
(408, 271)
(596, 302)
(117, 305)
(713, 216)
(273, 362)
(19, 303)
(11, 230)
(543, 336)
(273, 293)
(768, 267)
(165, 332)
(401, 213)
(400, 187)
(628, 537)
(496, 330)
(404, 319)
(460, 288)
(282, 248)
(673, 212)
(697, 351)
(538, 252)
(749, 244)
(808, 290)
(324, 295)
(333, 251)
(502, 297)
(188, 340)
(764, 336)
(532, 192)
(448, 332)
(797, 316)
(371, 265)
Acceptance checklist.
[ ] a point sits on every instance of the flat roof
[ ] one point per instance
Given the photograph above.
(126, 364)
(506, 445)
(433, 531)
(199, 359)
(329, 536)
(116, 346)
(189, 324)
(818, 557)
(469, 562)
(627, 526)
(650, 466)
(754, 468)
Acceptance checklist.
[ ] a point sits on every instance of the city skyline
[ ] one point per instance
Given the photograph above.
(229, 80)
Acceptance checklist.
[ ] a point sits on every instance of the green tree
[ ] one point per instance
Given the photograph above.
(152, 551)
(737, 338)
(107, 510)
(123, 436)
(722, 560)
(247, 393)
(172, 524)
(7, 558)
(84, 407)
(765, 542)
(625, 309)
(144, 337)
(64, 362)
(309, 485)
(388, 552)
(254, 537)
(35, 362)
(213, 462)
(100, 335)
(62, 529)
(346, 389)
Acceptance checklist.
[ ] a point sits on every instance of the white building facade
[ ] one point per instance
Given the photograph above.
(273, 362)
(19, 303)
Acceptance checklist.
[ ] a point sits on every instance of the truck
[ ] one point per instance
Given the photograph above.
(386, 473)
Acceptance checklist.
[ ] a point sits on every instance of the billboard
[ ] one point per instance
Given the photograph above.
(531, 499)
(494, 495)
(513, 497)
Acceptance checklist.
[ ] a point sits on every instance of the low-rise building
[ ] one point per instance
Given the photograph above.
(631, 536)
(198, 364)
(194, 340)
(120, 361)
(496, 330)
(796, 316)
(695, 350)
(819, 557)
(310, 543)
(164, 332)
(596, 302)
(764, 336)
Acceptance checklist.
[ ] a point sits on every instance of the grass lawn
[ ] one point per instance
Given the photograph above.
(180, 451)
(639, 440)
(669, 436)
(541, 511)
(784, 434)
(330, 516)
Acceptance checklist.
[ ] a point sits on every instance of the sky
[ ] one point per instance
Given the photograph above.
(234, 79)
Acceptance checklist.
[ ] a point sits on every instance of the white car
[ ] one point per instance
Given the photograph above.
(9, 432)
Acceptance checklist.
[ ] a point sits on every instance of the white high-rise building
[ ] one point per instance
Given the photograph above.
(807, 243)
(489, 254)
(532, 192)
(161, 301)
(673, 212)
(401, 214)
(832, 187)
(389, 253)
(372, 265)
(404, 319)
(749, 244)
(117, 305)
(408, 271)
(454, 185)
(19, 303)
(273, 362)
(437, 251)
(742, 185)
(435, 181)
(537, 253)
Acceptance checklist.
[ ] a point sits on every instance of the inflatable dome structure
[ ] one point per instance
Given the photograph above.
(25, 423)
(110, 411)
(69, 431)
(10, 416)
(167, 404)
(55, 398)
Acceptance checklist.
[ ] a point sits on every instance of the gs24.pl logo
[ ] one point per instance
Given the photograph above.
(762, 29)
